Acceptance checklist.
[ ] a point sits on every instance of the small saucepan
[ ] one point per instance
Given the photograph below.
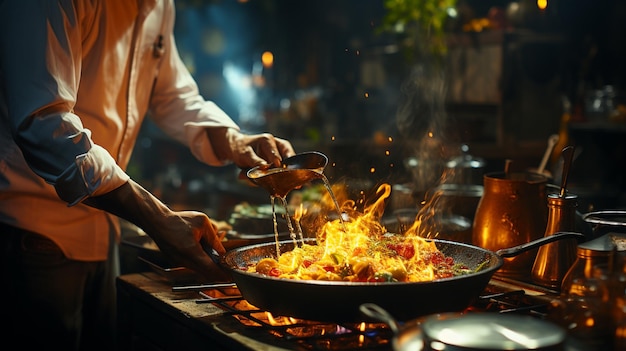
(483, 331)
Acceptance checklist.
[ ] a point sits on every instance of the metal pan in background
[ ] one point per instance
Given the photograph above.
(606, 221)
(473, 331)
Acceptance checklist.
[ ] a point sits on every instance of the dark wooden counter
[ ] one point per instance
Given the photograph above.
(153, 317)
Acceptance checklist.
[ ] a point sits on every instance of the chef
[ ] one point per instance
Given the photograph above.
(78, 77)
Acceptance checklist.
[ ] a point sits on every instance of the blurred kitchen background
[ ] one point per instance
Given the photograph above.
(393, 90)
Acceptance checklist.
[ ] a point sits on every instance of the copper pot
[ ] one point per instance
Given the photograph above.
(513, 210)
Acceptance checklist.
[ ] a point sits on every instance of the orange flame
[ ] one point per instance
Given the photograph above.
(542, 4)
(280, 320)
(357, 247)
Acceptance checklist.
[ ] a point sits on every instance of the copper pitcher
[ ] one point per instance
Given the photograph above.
(512, 211)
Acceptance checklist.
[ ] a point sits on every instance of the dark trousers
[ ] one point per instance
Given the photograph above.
(53, 302)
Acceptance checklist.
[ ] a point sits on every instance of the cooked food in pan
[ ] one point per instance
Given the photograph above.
(389, 258)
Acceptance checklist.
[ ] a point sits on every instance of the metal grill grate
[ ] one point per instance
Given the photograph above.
(499, 296)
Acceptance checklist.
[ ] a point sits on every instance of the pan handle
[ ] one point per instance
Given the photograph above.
(200, 287)
(516, 250)
(611, 218)
(215, 256)
(380, 314)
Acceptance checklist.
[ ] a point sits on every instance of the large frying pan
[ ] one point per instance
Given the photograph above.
(333, 301)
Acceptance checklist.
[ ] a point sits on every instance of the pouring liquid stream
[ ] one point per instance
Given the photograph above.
(279, 182)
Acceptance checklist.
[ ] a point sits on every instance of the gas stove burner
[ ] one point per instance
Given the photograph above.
(502, 296)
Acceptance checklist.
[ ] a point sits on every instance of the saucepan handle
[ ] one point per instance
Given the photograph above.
(616, 218)
(380, 314)
(516, 250)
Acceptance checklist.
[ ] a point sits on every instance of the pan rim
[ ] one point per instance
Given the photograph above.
(239, 270)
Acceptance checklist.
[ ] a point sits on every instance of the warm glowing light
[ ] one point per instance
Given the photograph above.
(280, 320)
(332, 138)
(300, 211)
(379, 138)
(258, 81)
(387, 153)
(367, 95)
(358, 52)
(372, 170)
(620, 332)
(361, 329)
(430, 134)
(357, 248)
(542, 4)
(590, 322)
(268, 59)
(271, 319)
(390, 139)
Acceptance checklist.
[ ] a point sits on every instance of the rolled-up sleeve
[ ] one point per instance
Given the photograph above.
(41, 78)
(178, 108)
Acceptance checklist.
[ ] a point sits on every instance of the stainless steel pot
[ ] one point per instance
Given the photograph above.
(446, 226)
(459, 199)
(473, 331)
(606, 221)
(465, 168)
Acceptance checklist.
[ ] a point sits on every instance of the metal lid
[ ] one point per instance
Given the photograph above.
(606, 243)
(493, 331)
(465, 160)
(467, 190)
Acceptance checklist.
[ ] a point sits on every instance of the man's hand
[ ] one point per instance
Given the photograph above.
(248, 151)
(183, 236)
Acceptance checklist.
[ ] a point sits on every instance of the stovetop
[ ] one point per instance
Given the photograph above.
(158, 312)
(164, 316)
(500, 296)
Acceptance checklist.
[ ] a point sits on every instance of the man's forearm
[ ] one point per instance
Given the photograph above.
(133, 203)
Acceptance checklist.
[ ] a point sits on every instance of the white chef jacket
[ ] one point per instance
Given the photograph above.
(78, 77)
